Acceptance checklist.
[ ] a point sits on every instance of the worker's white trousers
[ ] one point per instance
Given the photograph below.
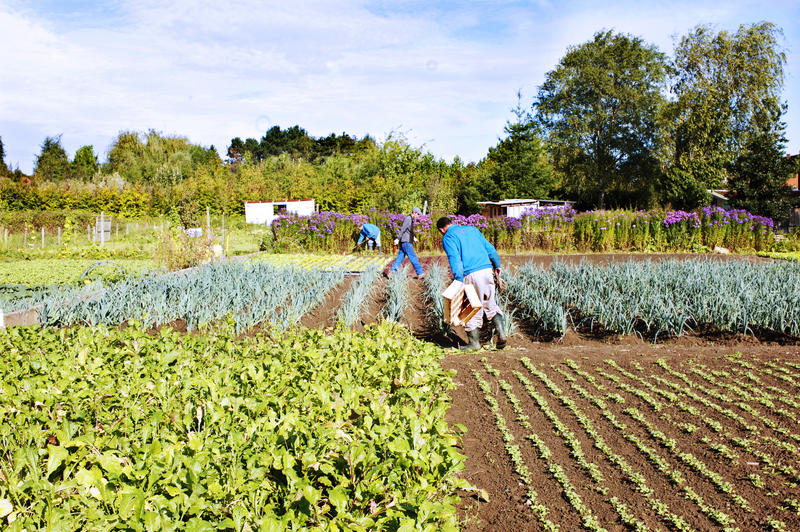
(483, 281)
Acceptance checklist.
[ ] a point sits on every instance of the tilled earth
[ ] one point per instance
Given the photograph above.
(699, 432)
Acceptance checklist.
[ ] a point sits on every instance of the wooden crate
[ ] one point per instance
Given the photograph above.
(461, 302)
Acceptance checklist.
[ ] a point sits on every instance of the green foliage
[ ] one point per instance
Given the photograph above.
(3, 168)
(175, 250)
(758, 177)
(43, 272)
(671, 296)
(599, 110)
(52, 164)
(250, 294)
(119, 429)
(358, 296)
(161, 160)
(398, 295)
(727, 89)
(518, 166)
(297, 144)
(784, 255)
(15, 221)
(85, 165)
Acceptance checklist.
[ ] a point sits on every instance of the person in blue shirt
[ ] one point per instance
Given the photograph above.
(371, 233)
(474, 260)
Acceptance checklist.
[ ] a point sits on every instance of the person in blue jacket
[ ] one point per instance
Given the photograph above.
(371, 233)
(474, 260)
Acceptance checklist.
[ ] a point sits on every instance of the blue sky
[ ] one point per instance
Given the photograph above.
(444, 74)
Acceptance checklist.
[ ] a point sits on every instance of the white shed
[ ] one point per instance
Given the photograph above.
(264, 212)
(515, 208)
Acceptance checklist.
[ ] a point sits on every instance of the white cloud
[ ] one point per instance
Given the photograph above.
(212, 71)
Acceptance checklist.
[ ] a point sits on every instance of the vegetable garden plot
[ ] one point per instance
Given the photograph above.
(250, 293)
(348, 263)
(358, 297)
(106, 428)
(692, 445)
(664, 298)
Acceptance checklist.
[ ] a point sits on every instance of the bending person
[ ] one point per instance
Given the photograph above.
(472, 258)
(371, 233)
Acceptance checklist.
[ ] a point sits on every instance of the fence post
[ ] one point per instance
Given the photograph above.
(102, 229)
(208, 223)
(117, 230)
(25, 238)
(42, 237)
(59, 236)
(88, 232)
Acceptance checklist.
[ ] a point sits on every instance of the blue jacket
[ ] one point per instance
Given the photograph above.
(468, 251)
(369, 231)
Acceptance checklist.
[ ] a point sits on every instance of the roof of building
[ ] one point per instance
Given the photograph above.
(508, 202)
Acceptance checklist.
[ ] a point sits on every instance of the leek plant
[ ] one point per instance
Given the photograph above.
(358, 295)
(434, 286)
(305, 296)
(535, 295)
(251, 293)
(397, 296)
(508, 312)
(668, 297)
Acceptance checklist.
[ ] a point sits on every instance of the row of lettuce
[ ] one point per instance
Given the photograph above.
(560, 230)
(119, 429)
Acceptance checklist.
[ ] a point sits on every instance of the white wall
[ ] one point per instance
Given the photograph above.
(263, 212)
(516, 211)
(259, 212)
(301, 208)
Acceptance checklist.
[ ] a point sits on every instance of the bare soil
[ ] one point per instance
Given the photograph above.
(489, 467)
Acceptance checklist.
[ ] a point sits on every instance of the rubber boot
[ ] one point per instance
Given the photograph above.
(474, 341)
(500, 329)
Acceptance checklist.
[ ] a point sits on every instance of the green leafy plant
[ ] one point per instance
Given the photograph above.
(104, 428)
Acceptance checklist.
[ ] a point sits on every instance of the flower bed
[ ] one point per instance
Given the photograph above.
(545, 230)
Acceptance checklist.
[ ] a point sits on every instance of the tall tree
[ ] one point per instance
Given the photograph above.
(52, 164)
(3, 168)
(727, 88)
(758, 176)
(294, 141)
(85, 164)
(520, 166)
(125, 156)
(598, 109)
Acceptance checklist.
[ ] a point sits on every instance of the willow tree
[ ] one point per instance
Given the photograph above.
(599, 109)
(727, 89)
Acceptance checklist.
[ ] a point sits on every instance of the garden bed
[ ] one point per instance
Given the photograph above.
(762, 456)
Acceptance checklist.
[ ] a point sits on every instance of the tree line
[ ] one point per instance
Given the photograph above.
(616, 124)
